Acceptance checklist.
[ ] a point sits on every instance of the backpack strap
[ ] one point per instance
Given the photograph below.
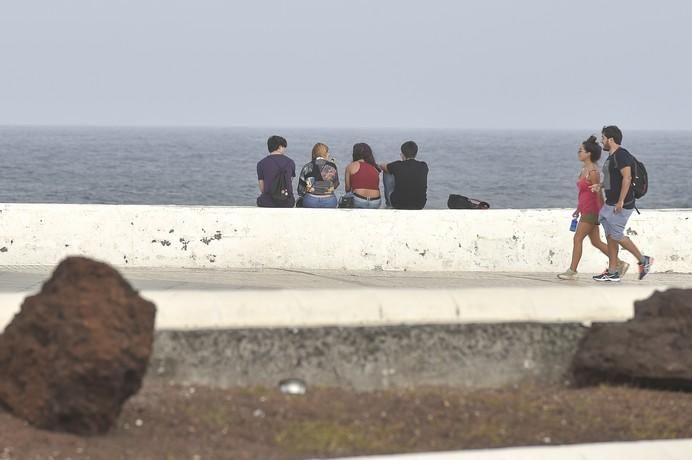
(631, 190)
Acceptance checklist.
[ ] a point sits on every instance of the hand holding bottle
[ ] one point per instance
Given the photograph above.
(573, 225)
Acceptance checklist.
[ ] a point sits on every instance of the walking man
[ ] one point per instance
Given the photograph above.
(619, 204)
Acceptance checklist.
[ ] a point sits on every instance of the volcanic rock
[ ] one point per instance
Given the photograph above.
(653, 349)
(77, 350)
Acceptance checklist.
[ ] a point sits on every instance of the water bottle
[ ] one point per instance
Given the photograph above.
(573, 225)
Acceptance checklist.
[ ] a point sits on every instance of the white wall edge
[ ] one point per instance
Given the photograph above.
(680, 449)
(229, 309)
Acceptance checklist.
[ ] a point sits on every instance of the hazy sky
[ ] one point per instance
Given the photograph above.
(541, 64)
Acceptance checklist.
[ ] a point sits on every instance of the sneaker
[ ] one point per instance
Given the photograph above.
(608, 277)
(622, 267)
(568, 274)
(645, 267)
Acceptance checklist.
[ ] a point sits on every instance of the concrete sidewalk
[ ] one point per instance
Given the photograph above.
(230, 299)
(28, 278)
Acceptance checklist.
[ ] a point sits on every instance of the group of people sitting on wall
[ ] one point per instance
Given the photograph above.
(405, 181)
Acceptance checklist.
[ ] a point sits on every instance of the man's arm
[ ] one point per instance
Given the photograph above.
(260, 177)
(626, 182)
(383, 167)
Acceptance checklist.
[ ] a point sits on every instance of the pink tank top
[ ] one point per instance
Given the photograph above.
(588, 200)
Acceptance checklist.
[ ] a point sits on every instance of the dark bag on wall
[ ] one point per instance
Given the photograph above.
(462, 202)
(346, 201)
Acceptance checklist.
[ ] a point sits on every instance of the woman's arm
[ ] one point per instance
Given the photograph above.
(595, 178)
(302, 181)
(336, 177)
(347, 178)
(575, 214)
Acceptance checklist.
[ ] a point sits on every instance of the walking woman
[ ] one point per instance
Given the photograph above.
(588, 206)
(362, 178)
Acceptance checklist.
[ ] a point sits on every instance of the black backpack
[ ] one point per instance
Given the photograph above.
(279, 188)
(640, 179)
(462, 202)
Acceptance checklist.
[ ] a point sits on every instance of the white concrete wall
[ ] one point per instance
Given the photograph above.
(234, 237)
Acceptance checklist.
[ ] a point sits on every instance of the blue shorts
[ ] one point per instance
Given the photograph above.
(614, 223)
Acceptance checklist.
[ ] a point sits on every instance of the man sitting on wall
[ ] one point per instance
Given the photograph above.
(275, 173)
(406, 181)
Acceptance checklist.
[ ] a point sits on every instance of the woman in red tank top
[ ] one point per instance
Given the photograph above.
(362, 178)
(588, 206)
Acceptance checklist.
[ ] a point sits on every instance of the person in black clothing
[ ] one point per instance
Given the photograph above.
(406, 181)
(269, 169)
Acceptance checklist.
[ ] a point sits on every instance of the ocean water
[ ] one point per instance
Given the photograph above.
(216, 166)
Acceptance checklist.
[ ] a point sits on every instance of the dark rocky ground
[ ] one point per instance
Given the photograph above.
(180, 422)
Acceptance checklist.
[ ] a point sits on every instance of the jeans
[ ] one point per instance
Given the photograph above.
(319, 201)
(389, 183)
(362, 203)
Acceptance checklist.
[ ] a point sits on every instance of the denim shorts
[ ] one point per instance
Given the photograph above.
(614, 223)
